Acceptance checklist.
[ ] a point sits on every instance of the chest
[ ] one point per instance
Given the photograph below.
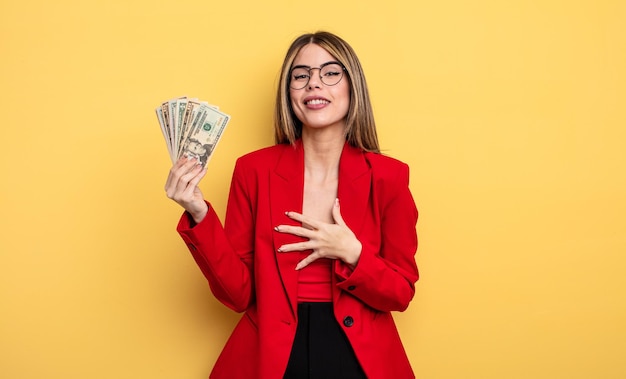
(319, 198)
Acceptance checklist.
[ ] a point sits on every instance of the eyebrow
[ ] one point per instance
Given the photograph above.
(322, 65)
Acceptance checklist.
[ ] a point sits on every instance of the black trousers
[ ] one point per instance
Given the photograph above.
(321, 349)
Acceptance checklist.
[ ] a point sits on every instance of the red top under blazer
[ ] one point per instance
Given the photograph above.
(246, 273)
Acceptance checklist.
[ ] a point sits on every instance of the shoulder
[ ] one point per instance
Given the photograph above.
(263, 157)
(387, 168)
(264, 153)
(380, 159)
(390, 181)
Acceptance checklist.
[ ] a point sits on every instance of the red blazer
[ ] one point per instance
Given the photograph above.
(246, 274)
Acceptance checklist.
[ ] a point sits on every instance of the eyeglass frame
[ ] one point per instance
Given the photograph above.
(310, 70)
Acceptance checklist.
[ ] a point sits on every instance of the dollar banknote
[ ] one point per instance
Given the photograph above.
(191, 128)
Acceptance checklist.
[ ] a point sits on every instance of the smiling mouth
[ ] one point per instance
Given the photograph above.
(317, 102)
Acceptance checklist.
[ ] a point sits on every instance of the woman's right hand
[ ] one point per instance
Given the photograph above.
(182, 187)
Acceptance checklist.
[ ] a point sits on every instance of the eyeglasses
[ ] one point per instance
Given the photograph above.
(331, 73)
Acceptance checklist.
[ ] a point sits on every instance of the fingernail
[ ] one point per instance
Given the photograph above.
(276, 229)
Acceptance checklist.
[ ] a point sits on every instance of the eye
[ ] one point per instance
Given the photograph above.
(332, 70)
(300, 74)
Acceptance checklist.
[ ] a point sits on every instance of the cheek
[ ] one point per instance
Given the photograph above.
(343, 90)
(296, 105)
(293, 97)
(344, 97)
(292, 102)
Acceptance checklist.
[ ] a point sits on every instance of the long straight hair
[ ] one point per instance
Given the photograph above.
(360, 126)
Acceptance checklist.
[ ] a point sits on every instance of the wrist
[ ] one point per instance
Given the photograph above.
(355, 256)
(200, 214)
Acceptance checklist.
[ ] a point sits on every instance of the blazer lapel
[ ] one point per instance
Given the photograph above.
(355, 183)
(354, 187)
(286, 191)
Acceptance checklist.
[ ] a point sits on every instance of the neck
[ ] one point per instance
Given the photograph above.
(322, 154)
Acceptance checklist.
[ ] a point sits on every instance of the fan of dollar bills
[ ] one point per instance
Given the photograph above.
(191, 128)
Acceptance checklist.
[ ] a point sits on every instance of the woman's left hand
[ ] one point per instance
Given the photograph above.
(333, 241)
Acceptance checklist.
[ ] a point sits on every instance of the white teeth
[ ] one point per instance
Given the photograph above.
(317, 101)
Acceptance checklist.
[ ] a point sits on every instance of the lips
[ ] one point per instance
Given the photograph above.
(316, 101)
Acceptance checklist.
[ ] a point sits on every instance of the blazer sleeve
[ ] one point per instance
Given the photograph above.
(385, 276)
(225, 253)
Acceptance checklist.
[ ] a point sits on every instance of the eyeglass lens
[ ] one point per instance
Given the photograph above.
(330, 74)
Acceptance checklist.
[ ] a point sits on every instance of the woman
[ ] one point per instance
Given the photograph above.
(319, 238)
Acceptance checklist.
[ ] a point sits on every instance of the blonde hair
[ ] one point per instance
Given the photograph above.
(360, 125)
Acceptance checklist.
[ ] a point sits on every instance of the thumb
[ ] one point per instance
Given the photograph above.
(337, 213)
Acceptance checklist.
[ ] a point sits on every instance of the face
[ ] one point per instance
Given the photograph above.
(196, 148)
(318, 105)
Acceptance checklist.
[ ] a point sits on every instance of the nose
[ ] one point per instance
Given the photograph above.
(315, 81)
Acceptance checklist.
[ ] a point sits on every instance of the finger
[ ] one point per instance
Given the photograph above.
(196, 179)
(303, 219)
(172, 173)
(180, 179)
(337, 213)
(182, 166)
(307, 261)
(295, 230)
(184, 183)
(298, 246)
(193, 183)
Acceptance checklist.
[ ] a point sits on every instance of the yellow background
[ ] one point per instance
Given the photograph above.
(510, 113)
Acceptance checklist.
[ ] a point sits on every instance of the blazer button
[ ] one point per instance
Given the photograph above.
(348, 321)
(351, 288)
